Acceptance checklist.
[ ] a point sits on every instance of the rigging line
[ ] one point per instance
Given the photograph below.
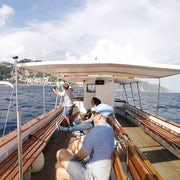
(7, 115)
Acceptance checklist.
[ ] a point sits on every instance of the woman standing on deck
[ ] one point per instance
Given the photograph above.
(68, 101)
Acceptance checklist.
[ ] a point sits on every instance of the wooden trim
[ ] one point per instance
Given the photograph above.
(169, 137)
(9, 137)
(118, 169)
(141, 164)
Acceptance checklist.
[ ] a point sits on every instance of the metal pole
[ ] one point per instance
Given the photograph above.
(139, 95)
(18, 124)
(157, 108)
(44, 102)
(132, 95)
(125, 92)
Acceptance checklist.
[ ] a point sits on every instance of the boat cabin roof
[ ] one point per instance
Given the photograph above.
(69, 70)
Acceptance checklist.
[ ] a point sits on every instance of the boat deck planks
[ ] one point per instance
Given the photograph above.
(167, 164)
(63, 140)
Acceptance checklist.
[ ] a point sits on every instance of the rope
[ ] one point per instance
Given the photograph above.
(7, 115)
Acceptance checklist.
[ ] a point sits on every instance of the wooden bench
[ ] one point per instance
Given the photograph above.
(117, 170)
(166, 133)
(169, 137)
(31, 149)
(138, 165)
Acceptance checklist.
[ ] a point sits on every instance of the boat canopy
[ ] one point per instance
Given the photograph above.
(66, 69)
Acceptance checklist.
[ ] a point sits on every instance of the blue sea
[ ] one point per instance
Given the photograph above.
(31, 104)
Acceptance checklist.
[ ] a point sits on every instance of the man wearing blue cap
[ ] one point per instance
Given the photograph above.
(97, 149)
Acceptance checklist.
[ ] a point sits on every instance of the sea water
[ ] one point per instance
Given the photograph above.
(31, 104)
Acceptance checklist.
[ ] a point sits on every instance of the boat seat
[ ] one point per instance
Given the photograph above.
(136, 162)
(170, 138)
(117, 171)
(31, 149)
(139, 166)
(173, 139)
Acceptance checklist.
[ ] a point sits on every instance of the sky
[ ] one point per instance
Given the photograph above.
(124, 30)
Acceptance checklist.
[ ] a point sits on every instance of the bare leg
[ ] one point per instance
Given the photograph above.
(63, 157)
(76, 146)
(67, 120)
(62, 174)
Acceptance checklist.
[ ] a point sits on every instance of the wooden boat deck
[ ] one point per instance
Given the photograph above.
(63, 140)
(167, 164)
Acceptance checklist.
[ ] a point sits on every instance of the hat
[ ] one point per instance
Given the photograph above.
(103, 109)
(66, 85)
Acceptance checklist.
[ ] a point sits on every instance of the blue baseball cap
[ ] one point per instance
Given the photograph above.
(104, 109)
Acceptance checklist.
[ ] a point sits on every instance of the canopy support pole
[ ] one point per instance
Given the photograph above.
(132, 94)
(159, 89)
(125, 92)
(44, 102)
(139, 95)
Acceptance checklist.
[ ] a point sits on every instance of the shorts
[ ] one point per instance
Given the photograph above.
(67, 111)
(78, 170)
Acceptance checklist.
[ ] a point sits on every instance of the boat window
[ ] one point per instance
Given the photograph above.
(90, 88)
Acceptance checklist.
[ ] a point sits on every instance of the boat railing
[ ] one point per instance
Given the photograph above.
(35, 142)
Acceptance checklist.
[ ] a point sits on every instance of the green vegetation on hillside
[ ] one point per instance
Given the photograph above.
(5, 72)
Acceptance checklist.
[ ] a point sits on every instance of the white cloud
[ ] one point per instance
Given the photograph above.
(106, 50)
(138, 30)
(5, 13)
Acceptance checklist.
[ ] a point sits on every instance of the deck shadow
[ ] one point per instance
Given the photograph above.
(161, 155)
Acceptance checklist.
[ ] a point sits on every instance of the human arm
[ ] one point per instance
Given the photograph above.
(87, 147)
(57, 92)
(81, 155)
(88, 120)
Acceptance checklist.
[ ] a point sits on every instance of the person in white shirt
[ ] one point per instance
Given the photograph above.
(68, 101)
